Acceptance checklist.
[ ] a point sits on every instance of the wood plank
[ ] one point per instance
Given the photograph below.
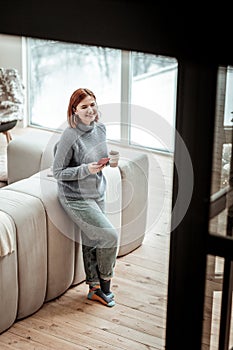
(140, 274)
(95, 326)
(121, 314)
(146, 263)
(14, 341)
(61, 335)
(152, 253)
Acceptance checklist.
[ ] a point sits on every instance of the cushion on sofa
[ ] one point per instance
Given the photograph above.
(29, 218)
(8, 274)
(60, 233)
(26, 153)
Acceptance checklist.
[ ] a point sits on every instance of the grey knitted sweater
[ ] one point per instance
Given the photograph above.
(76, 148)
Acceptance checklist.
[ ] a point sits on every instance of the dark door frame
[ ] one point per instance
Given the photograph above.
(188, 244)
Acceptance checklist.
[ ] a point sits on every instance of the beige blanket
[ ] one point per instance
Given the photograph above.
(7, 234)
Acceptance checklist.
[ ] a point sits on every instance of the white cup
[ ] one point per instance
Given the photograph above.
(114, 158)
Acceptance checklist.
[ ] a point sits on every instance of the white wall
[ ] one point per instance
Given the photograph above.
(11, 52)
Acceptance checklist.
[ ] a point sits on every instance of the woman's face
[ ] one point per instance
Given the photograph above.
(87, 110)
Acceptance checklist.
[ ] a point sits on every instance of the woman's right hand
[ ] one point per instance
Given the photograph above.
(94, 168)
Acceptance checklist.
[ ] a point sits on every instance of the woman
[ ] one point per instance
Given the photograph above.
(81, 191)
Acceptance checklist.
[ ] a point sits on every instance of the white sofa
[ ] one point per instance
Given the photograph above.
(41, 249)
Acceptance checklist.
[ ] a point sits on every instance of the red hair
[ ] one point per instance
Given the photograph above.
(77, 96)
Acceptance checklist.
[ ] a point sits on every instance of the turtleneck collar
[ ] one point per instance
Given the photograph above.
(84, 127)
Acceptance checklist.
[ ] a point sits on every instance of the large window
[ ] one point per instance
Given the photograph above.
(135, 91)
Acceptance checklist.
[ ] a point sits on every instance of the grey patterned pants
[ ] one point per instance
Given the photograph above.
(99, 237)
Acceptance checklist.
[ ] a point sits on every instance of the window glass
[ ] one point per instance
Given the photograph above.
(228, 108)
(136, 92)
(154, 80)
(58, 68)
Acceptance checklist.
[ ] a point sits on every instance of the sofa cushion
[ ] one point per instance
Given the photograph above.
(29, 218)
(26, 154)
(60, 232)
(8, 277)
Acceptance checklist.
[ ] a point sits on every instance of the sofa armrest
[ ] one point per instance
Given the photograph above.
(28, 154)
(134, 174)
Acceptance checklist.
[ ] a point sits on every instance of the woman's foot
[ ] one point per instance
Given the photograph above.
(95, 293)
(105, 287)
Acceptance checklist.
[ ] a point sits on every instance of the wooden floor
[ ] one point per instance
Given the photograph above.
(138, 320)
(71, 321)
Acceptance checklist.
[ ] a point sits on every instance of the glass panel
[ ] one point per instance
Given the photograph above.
(154, 80)
(222, 205)
(212, 308)
(229, 100)
(58, 68)
(221, 165)
(226, 163)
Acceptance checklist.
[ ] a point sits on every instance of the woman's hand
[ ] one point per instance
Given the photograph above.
(94, 168)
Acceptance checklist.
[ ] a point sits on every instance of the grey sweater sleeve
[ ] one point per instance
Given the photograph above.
(62, 159)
